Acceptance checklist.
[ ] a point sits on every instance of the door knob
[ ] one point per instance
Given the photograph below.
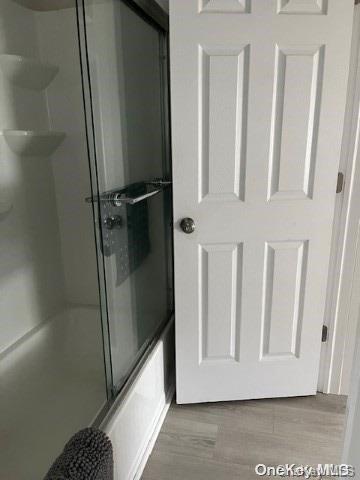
(187, 225)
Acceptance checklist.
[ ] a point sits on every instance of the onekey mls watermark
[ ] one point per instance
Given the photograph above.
(306, 471)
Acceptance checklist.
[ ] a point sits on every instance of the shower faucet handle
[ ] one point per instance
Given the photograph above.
(187, 225)
(113, 222)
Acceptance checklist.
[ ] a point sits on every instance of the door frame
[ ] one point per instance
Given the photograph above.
(335, 365)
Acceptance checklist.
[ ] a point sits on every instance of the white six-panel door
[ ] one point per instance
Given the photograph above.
(258, 96)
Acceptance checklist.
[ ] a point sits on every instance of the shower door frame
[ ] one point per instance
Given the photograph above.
(151, 12)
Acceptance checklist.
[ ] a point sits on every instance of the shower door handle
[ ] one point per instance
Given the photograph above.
(119, 198)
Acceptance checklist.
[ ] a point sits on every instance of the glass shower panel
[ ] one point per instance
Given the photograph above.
(126, 58)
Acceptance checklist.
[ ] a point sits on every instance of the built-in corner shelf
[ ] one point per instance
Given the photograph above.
(29, 143)
(27, 72)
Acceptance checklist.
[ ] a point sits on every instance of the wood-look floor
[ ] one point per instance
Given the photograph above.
(224, 441)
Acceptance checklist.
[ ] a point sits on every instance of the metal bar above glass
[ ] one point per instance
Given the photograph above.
(119, 197)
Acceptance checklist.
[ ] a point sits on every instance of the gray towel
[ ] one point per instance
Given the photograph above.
(88, 455)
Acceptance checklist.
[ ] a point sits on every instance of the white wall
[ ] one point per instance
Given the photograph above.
(31, 275)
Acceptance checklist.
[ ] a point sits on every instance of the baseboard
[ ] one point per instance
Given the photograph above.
(156, 430)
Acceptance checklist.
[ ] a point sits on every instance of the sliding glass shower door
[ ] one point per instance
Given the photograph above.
(125, 78)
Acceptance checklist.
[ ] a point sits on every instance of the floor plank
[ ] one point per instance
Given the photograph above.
(226, 440)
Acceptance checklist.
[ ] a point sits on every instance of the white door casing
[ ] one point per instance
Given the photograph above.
(341, 311)
(258, 97)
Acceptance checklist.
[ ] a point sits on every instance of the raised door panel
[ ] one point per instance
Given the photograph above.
(309, 7)
(220, 267)
(295, 121)
(283, 299)
(224, 6)
(224, 79)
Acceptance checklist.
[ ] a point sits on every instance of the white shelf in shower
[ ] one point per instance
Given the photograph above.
(27, 72)
(33, 143)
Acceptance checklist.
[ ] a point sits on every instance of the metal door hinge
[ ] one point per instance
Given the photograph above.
(340, 182)
(324, 334)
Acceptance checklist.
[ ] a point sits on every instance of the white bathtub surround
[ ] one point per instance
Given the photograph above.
(57, 32)
(52, 385)
(135, 419)
(47, 228)
(31, 273)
